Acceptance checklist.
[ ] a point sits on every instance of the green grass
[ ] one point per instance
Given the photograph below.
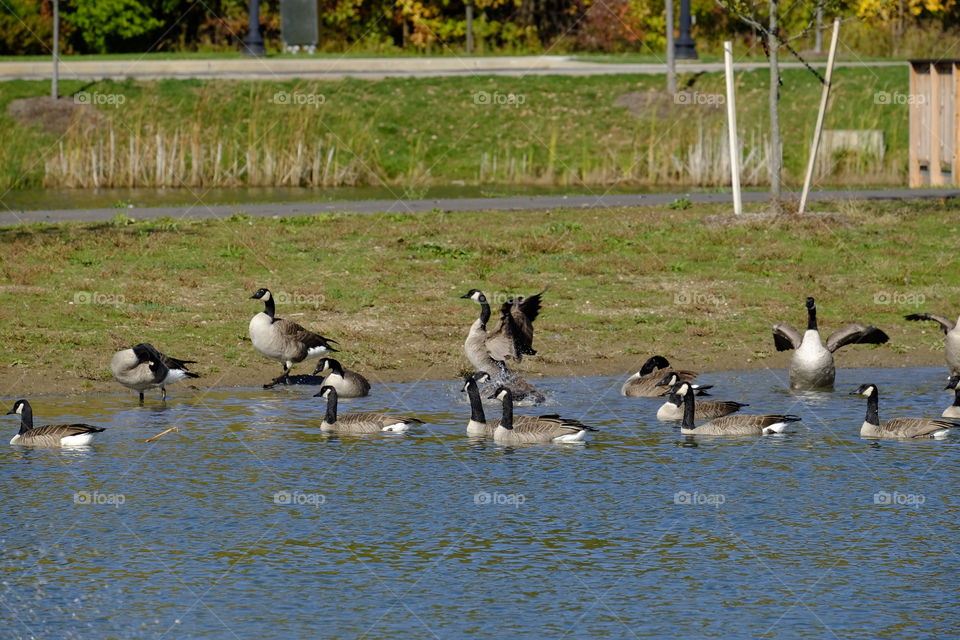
(622, 283)
(432, 131)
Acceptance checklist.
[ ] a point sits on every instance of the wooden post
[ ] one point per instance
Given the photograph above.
(469, 27)
(936, 172)
(732, 128)
(55, 79)
(955, 164)
(671, 54)
(916, 180)
(818, 129)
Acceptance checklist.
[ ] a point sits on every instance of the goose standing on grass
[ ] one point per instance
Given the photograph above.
(731, 425)
(811, 367)
(282, 340)
(478, 424)
(51, 435)
(951, 347)
(360, 423)
(143, 367)
(953, 411)
(645, 383)
(672, 409)
(349, 384)
(898, 428)
(539, 430)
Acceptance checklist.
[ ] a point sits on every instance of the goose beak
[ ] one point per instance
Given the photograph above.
(11, 412)
(318, 394)
(465, 296)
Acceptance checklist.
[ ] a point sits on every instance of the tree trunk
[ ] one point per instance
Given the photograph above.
(776, 158)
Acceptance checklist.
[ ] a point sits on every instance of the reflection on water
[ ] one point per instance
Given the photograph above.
(249, 521)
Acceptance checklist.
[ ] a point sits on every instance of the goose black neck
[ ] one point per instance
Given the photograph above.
(688, 409)
(812, 318)
(26, 419)
(335, 367)
(873, 409)
(956, 397)
(269, 307)
(507, 420)
(331, 416)
(674, 398)
(476, 405)
(484, 313)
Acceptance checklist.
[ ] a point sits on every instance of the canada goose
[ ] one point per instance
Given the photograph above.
(282, 340)
(51, 435)
(735, 425)
(953, 411)
(479, 425)
(951, 347)
(900, 428)
(541, 430)
(645, 383)
(811, 367)
(143, 367)
(672, 409)
(511, 339)
(349, 384)
(361, 422)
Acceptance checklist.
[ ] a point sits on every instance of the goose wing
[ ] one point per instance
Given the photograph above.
(914, 427)
(522, 313)
(502, 342)
(855, 334)
(944, 323)
(752, 421)
(550, 425)
(175, 363)
(62, 430)
(786, 337)
(712, 410)
(383, 419)
(305, 337)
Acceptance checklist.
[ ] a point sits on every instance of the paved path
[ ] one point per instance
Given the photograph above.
(372, 68)
(446, 204)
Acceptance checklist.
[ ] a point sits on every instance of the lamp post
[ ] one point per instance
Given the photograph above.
(253, 45)
(686, 48)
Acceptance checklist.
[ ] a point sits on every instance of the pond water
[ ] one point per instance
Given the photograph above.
(250, 523)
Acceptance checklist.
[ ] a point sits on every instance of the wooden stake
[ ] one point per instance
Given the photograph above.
(163, 433)
(732, 128)
(818, 129)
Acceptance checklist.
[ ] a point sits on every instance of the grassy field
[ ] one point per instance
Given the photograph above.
(543, 130)
(623, 284)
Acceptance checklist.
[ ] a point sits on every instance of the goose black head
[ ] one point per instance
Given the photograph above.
(811, 304)
(652, 364)
(481, 376)
(865, 390)
(262, 294)
(19, 407)
(322, 365)
(476, 295)
(952, 383)
(501, 393)
(325, 392)
(143, 351)
(669, 380)
(680, 388)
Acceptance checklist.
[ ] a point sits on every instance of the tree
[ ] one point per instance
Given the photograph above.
(770, 20)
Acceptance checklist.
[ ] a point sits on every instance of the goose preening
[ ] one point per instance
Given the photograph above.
(898, 428)
(50, 435)
(953, 411)
(510, 339)
(811, 367)
(478, 424)
(951, 347)
(349, 384)
(672, 409)
(535, 430)
(143, 367)
(282, 340)
(361, 422)
(645, 383)
(730, 425)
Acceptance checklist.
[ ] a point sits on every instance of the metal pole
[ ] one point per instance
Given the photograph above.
(818, 41)
(818, 129)
(55, 80)
(671, 54)
(686, 47)
(253, 45)
(732, 127)
(469, 27)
